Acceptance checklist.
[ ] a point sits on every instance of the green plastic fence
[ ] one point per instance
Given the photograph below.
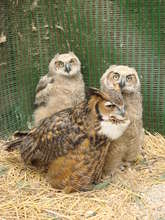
(100, 32)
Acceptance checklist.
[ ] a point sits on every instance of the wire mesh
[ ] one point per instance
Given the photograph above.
(129, 32)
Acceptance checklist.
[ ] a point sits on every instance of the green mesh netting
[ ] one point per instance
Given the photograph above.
(129, 32)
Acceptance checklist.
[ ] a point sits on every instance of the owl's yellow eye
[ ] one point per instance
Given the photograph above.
(116, 76)
(73, 61)
(129, 78)
(59, 64)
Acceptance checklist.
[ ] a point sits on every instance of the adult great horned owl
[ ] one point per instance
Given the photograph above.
(73, 143)
(124, 79)
(61, 88)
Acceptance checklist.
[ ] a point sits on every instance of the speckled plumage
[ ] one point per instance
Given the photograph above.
(126, 148)
(71, 144)
(61, 88)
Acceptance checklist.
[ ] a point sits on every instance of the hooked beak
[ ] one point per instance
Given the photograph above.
(67, 67)
(122, 111)
(122, 83)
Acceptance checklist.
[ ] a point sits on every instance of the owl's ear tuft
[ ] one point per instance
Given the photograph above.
(112, 66)
(72, 53)
(56, 55)
(106, 74)
(91, 91)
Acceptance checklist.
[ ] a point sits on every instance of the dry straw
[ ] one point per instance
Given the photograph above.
(135, 193)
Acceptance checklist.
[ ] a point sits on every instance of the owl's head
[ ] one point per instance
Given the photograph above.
(121, 78)
(66, 64)
(109, 111)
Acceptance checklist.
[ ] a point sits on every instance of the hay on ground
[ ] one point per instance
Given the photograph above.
(136, 193)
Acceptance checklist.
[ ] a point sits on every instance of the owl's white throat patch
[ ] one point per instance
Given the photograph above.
(113, 131)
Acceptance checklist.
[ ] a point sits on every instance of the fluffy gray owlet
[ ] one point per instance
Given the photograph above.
(125, 80)
(61, 88)
(74, 142)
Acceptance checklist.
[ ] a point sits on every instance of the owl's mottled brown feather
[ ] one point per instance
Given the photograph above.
(52, 131)
(71, 144)
(79, 168)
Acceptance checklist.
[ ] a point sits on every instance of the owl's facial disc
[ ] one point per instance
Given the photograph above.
(71, 67)
(117, 114)
(113, 121)
(128, 83)
(67, 65)
(123, 79)
(109, 111)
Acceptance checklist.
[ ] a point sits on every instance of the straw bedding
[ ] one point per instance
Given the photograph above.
(135, 193)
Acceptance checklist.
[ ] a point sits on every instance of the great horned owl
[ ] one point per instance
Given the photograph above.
(73, 143)
(124, 79)
(61, 88)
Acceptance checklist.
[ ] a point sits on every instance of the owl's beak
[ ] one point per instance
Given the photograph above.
(67, 67)
(122, 83)
(122, 111)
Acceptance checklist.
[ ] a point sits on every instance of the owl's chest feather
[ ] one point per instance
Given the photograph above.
(133, 106)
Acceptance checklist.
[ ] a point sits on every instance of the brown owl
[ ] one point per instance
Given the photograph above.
(61, 88)
(73, 143)
(125, 80)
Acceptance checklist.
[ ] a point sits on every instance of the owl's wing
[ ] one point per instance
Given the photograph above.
(42, 89)
(54, 137)
(43, 83)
